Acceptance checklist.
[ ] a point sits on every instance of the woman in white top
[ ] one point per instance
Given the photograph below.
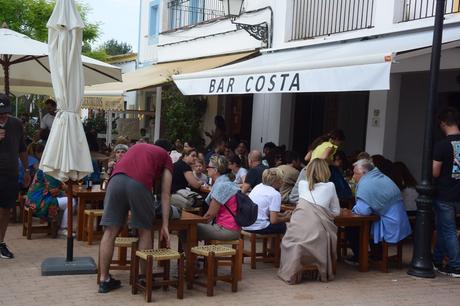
(268, 199)
(311, 236)
(236, 168)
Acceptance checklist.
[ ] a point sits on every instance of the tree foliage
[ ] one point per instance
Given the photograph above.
(29, 17)
(113, 47)
(182, 115)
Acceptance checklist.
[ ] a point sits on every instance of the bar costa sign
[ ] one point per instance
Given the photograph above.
(278, 82)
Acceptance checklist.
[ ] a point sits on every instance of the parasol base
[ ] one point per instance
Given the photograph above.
(59, 266)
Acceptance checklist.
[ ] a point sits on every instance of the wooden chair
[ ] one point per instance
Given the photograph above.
(265, 255)
(213, 253)
(237, 245)
(122, 263)
(28, 228)
(394, 258)
(159, 255)
(89, 233)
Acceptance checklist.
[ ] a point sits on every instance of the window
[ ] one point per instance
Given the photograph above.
(154, 22)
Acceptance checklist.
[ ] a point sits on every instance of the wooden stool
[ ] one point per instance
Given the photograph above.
(237, 245)
(28, 228)
(213, 253)
(308, 272)
(160, 255)
(395, 258)
(88, 225)
(263, 256)
(121, 263)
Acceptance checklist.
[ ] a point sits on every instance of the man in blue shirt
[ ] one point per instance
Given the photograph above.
(378, 194)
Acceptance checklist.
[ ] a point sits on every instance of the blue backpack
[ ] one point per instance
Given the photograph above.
(246, 210)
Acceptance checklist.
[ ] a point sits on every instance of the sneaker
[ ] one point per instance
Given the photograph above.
(352, 261)
(5, 252)
(453, 272)
(109, 285)
(438, 267)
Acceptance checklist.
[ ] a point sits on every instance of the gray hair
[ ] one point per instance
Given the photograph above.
(365, 164)
(121, 147)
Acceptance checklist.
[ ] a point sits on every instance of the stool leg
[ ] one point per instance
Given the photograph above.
(234, 271)
(210, 280)
(180, 278)
(148, 279)
(253, 251)
(166, 271)
(135, 271)
(264, 247)
(190, 270)
(240, 259)
(132, 265)
(277, 250)
(384, 264)
(24, 217)
(399, 255)
(29, 225)
(90, 229)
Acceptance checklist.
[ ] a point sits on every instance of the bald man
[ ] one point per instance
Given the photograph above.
(254, 176)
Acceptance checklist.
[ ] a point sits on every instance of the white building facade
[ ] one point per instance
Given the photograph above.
(387, 120)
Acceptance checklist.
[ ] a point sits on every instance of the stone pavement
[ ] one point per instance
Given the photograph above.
(22, 284)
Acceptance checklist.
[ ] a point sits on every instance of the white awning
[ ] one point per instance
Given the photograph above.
(341, 66)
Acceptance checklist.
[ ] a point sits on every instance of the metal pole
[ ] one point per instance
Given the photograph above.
(156, 134)
(69, 256)
(421, 265)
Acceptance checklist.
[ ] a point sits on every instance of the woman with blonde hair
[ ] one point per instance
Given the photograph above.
(268, 199)
(311, 236)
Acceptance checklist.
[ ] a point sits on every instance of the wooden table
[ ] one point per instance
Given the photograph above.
(348, 219)
(84, 195)
(188, 222)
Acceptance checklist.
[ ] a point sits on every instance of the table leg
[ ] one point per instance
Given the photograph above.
(363, 247)
(80, 215)
(192, 241)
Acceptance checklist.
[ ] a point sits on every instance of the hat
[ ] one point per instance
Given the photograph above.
(5, 106)
(121, 147)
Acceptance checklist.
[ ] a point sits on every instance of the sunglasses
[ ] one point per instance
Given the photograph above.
(210, 167)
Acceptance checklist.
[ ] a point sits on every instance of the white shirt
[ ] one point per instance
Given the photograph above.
(175, 156)
(323, 194)
(267, 199)
(47, 121)
(239, 175)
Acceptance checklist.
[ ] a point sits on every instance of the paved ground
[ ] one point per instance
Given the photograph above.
(21, 284)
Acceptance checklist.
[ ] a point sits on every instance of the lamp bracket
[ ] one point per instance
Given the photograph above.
(258, 31)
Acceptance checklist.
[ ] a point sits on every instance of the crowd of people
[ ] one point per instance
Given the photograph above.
(318, 185)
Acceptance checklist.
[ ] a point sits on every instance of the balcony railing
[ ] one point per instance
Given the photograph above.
(313, 18)
(419, 9)
(185, 13)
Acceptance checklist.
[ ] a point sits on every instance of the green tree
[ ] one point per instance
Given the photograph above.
(113, 47)
(29, 17)
(182, 115)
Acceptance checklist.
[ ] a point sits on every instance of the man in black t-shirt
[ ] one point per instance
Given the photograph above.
(12, 147)
(446, 171)
(254, 175)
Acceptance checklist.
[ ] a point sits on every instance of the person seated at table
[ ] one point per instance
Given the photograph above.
(235, 165)
(406, 183)
(377, 194)
(118, 151)
(221, 200)
(34, 153)
(290, 174)
(198, 169)
(254, 175)
(268, 199)
(183, 178)
(311, 235)
(47, 197)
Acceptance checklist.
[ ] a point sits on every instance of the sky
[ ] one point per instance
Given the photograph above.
(119, 19)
